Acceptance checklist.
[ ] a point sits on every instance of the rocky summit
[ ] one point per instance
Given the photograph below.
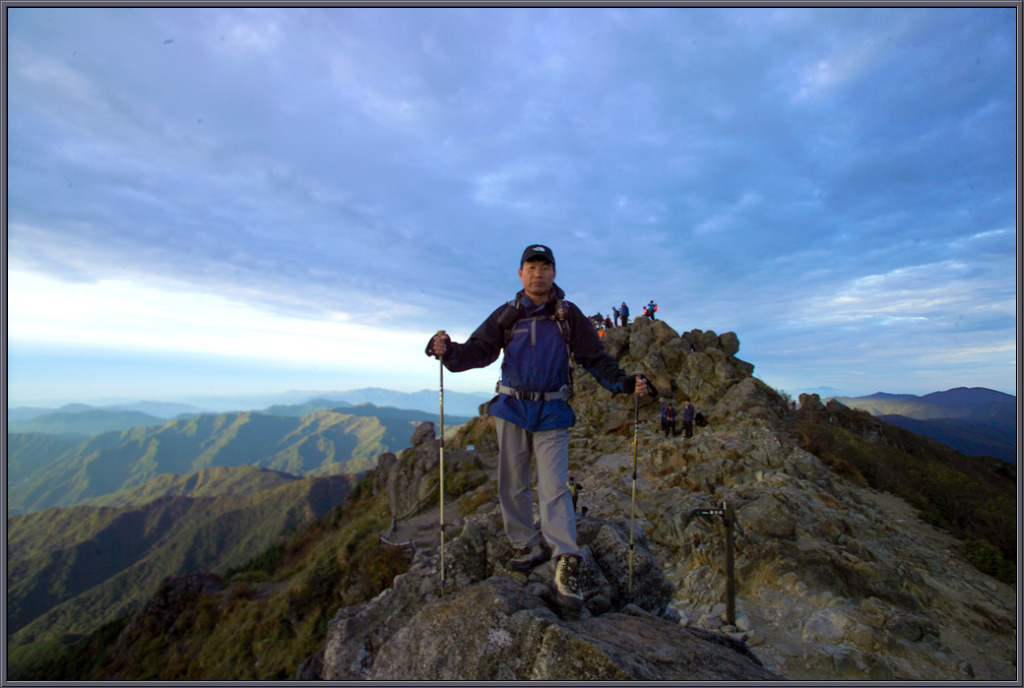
(833, 580)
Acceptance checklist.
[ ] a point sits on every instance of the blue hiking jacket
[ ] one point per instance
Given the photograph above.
(537, 360)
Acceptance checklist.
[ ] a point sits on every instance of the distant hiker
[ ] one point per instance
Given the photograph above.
(608, 323)
(540, 334)
(700, 421)
(688, 412)
(618, 314)
(669, 423)
(624, 310)
(650, 309)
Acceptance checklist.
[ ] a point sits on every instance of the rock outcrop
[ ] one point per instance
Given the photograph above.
(834, 581)
(486, 623)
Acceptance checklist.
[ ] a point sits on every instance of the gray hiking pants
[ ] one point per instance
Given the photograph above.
(557, 518)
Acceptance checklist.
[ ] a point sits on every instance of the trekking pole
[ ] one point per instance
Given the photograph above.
(441, 462)
(632, 502)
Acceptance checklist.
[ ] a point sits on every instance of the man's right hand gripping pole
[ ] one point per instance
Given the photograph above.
(439, 345)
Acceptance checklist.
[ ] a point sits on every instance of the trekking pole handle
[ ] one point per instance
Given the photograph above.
(651, 389)
(430, 344)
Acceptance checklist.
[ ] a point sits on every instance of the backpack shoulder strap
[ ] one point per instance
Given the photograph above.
(564, 324)
(511, 315)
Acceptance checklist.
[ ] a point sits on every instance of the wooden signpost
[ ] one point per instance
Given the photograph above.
(729, 520)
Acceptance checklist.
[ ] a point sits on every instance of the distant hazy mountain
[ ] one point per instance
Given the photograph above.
(978, 403)
(367, 410)
(823, 392)
(87, 421)
(26, 412)
(427, 400)
(456, 403)
(160, 409)
(975, 420)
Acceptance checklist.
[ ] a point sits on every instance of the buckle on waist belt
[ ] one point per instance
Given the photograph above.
(563, 394)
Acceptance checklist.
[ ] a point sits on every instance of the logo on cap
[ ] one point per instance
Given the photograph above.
(538, 251)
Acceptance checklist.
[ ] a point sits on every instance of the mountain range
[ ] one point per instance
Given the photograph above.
(456, 403)
(57, 470)
(974, 420)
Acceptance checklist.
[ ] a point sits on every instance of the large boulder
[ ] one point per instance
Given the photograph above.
(498, 631)
(410, 479)
(413, 476)
(750, 399)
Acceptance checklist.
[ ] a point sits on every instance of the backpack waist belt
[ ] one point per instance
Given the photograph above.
(563, 394)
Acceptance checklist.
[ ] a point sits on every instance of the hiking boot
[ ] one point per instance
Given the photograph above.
(567, 582)
(526, 558)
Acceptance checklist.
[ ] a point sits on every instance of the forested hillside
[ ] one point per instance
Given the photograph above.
(70, 570)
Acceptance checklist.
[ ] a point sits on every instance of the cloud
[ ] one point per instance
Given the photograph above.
(740, 165)
(252, 30)
(919, 300)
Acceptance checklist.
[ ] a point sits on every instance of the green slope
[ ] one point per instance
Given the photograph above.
(210, 482)
(30, 452)
(71, 570)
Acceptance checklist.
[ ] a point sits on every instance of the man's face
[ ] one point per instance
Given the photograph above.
(538, 277)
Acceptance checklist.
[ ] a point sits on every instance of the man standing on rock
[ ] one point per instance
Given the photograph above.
(538, 332)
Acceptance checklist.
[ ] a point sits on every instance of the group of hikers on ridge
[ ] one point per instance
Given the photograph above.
(669, 416)
(620, 316)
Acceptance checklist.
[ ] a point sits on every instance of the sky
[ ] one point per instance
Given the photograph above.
(211, 201)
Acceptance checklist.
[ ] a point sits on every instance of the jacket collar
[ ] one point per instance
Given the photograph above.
(556, 295)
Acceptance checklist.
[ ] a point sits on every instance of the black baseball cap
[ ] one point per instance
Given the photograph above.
(534, 251)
